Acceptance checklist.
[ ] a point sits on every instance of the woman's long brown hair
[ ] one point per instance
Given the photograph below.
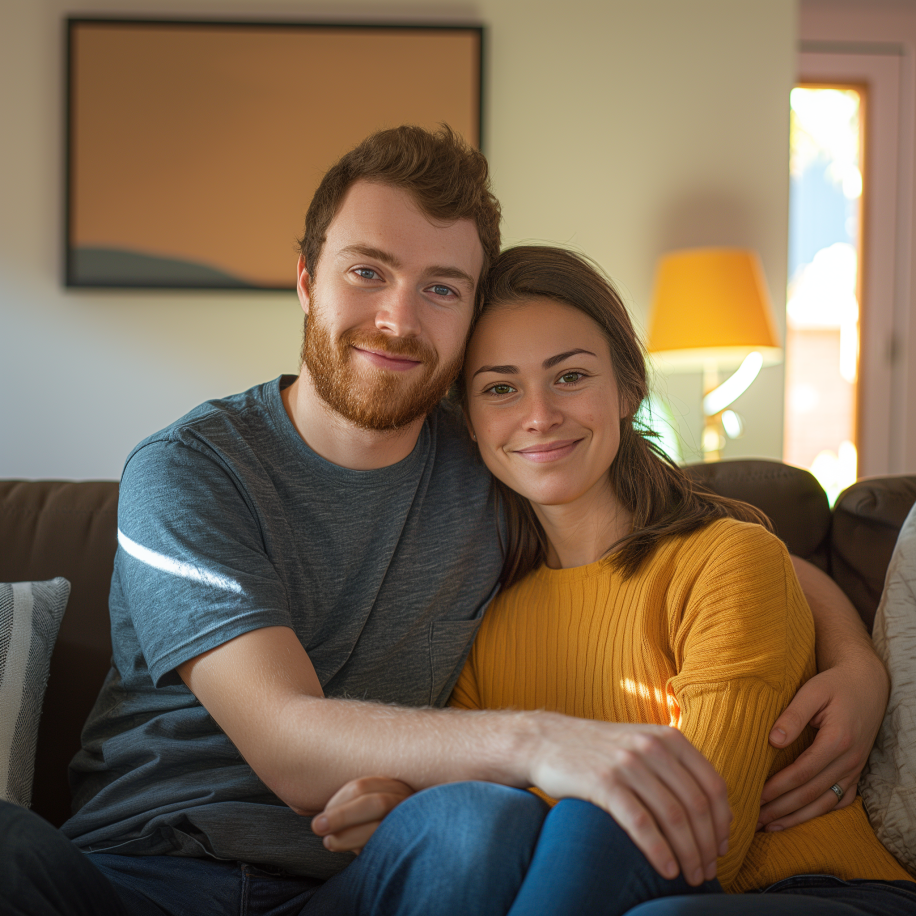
(663, 500)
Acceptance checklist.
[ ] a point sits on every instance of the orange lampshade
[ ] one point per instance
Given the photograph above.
(711, 305)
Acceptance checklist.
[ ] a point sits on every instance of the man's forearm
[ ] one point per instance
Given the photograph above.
(658, 787)
(839, 631)
(263, 691)
(327, 742)
(845, 702)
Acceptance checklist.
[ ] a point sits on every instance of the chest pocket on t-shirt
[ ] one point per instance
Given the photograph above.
(449, 644)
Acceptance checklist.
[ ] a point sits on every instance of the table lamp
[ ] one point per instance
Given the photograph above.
(711, 311)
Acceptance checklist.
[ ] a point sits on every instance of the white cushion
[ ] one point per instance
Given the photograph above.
(889, 784)
(30, 615)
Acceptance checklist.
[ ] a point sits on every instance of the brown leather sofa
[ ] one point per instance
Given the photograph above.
(59, 528)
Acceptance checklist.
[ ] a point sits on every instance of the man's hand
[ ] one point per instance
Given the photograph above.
(354, 813)
(845, 703)
(651, 780)
(845, 707)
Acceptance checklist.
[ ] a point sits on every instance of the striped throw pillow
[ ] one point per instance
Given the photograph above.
(30, 616)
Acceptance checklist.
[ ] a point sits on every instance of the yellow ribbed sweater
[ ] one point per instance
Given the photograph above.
(713, 636)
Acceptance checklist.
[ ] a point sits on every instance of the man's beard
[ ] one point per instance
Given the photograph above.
(372, 398)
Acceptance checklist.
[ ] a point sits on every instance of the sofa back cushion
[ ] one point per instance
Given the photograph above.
(792, 498)
(866, 521)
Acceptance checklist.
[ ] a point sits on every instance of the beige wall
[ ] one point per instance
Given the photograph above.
(623, 127)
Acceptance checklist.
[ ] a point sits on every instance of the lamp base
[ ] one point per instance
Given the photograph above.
(713, 438)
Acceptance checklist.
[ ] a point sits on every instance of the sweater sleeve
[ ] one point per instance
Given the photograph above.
(743, 642)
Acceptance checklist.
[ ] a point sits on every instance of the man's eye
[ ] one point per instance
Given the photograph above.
(440, 290)
(367, 273)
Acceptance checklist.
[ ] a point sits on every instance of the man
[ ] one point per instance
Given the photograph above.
(301, 570)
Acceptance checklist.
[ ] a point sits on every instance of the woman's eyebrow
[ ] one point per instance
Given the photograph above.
(548, 363)
(503, 370)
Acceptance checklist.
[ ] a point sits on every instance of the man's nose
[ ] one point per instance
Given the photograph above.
(399, 313)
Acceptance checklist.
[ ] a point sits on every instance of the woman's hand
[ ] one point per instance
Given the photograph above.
(845, 704)
(354, 812)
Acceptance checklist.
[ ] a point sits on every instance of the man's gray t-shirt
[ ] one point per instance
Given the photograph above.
(228, 522)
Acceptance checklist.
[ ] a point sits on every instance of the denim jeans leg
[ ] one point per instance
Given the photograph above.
(745, 905)
(43, 874)
(801, 895)
(585, 863)
(182, 886)
(461, 848)
(173, 885)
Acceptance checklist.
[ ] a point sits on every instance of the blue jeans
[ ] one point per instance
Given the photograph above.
(801, 895)
(468, 848)
(465, 848)
(487, 850)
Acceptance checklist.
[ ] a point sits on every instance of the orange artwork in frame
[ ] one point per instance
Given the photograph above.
(195, 147)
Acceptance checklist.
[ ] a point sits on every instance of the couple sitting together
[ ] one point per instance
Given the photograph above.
(302, 570)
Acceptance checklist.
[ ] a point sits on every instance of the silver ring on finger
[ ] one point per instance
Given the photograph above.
(837, 791)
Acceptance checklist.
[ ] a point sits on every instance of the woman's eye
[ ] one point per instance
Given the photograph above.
(500, 389)
(570, 378)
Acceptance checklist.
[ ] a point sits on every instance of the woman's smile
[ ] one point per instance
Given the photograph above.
(548, 451)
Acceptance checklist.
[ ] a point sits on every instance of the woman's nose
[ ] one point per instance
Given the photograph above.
(543, 413)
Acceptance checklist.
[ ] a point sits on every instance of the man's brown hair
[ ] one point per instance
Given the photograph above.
(447, 178)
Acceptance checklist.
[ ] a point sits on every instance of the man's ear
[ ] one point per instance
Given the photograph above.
(302, 284)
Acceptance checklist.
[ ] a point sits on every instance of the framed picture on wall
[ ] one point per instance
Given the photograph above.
(194, 148)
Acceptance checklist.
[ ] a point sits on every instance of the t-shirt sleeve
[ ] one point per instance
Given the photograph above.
(743, 646)
(192, 565)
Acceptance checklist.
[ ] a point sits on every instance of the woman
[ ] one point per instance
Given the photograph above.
(632, 597)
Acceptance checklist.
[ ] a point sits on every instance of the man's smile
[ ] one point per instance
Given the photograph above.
(387, 360)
